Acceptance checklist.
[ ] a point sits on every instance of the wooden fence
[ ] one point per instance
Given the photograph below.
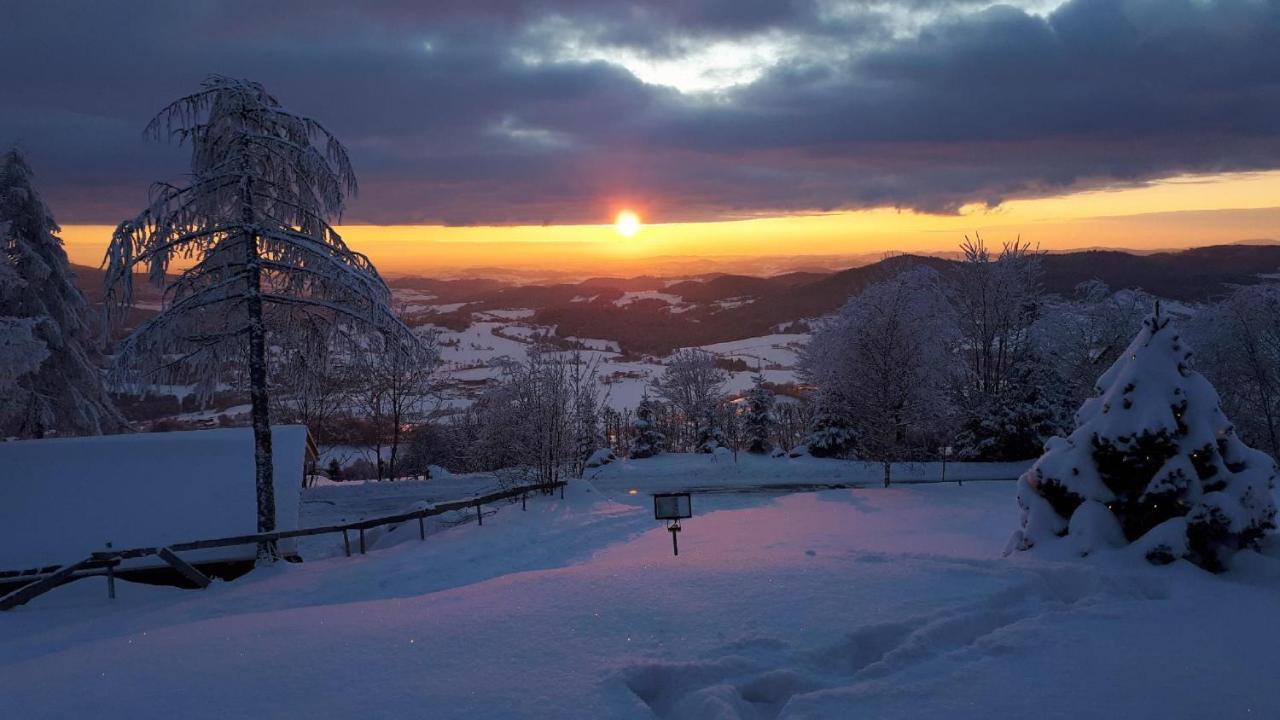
(44, 579)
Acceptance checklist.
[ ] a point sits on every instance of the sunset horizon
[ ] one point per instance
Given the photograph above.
(1174, 213)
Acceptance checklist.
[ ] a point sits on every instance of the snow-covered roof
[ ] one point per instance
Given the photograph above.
(62, 498)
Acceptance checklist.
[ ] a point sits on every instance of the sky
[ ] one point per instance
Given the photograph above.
(489, 133)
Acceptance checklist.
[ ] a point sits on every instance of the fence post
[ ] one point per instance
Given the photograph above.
(562, 490)
(523, 496)
(111, 578)
(361, 541)
(346, 542)
(479, 515)
(422, 529)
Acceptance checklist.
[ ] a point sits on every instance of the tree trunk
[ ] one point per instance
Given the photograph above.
(264, 475)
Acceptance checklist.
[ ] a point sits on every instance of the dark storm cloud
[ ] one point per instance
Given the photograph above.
(477, 112)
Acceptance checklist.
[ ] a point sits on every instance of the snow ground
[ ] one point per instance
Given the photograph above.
(841, 603)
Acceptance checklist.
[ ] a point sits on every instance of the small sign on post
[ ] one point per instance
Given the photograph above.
(673, 507)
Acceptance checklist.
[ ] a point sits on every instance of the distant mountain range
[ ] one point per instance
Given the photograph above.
(652, 314)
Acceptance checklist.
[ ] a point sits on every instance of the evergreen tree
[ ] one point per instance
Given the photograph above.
(1015, 422)
(758, 420)
(710, 435)
(646, 440)
(43, 323)
(1153, 461)
(831, 434)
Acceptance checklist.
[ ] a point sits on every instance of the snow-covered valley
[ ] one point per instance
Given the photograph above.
(851, 602)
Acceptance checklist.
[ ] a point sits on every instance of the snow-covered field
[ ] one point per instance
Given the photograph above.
(865, 602)
(473, 357)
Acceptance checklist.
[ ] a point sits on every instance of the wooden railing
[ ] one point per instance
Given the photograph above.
(105, 562)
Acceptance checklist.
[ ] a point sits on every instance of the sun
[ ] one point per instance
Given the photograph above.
(627, 223)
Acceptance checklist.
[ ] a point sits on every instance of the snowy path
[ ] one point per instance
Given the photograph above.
(843, 603)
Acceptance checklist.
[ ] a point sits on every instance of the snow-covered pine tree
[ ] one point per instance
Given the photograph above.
(46, 337)
(263, 184)
(758, 421)
(1015, 421)
(1153, 461)
(646, 441)
(710, 436)
(832, 433)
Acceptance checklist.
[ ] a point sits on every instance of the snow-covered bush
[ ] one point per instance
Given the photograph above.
(600, 458)
(1153, 461)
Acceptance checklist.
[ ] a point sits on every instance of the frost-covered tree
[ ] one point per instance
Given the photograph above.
(888, 357)
(587, 405)
(1082, 335)
(794, 419)
(693, 385)
(646, 441)
(253, 217)
(757, 419)
(732, 428)
(393, 389)
(313, 383)
(544, 413)
(51, 382)
(996, 300)
(1153, 461)
(1238, 341)
(21, 351)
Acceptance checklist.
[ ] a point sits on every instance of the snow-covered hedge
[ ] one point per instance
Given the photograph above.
(1153, 462)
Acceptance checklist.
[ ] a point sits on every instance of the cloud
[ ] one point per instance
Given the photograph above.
(486, 112)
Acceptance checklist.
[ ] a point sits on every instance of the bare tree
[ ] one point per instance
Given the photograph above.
(996, 301)
(542, 422)
(263, 184)
(394, 391)
(312, 383)
(692, 384)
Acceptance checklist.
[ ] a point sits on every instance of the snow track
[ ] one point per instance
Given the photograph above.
(758, 678)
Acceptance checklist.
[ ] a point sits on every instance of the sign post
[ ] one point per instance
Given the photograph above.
(673, 507)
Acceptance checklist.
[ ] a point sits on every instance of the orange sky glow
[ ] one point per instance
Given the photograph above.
(1184, 211)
